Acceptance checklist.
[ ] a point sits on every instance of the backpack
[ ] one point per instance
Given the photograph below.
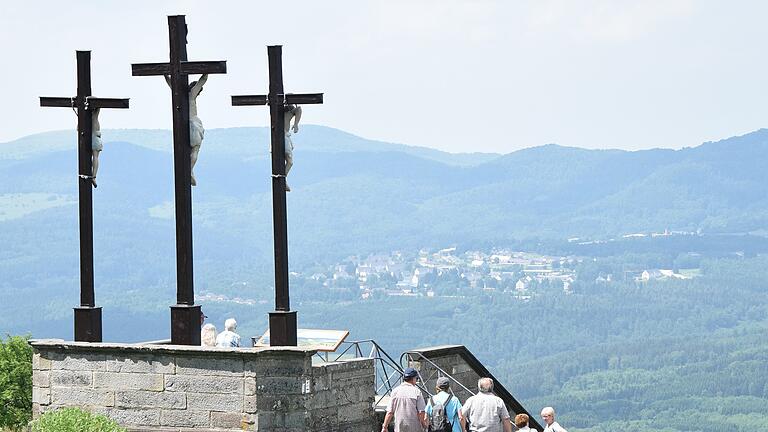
(438, 422)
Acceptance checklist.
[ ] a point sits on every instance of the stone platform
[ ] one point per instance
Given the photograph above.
(188, 388)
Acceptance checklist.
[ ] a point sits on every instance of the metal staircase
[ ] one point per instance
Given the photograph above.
(430, 370)
(455, 362)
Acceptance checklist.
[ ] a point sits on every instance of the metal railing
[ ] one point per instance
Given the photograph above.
(388, 372)
(411, 356)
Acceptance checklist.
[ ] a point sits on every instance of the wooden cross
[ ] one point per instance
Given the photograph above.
(282, 322)
(185, 316)
(87, 316)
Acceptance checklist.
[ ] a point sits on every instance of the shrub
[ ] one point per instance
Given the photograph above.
(74, 420)
(15, 383)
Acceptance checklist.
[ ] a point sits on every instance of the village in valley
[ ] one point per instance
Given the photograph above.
(452, 272)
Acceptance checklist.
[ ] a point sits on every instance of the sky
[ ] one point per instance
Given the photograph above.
(454, 75)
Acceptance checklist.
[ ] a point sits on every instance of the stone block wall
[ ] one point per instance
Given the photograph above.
(174, 388)
(343, 393)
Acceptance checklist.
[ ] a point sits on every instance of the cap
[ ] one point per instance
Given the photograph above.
(409, 372)
(443, 382)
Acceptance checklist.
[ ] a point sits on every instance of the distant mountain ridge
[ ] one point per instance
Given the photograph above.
(397, 194)
(244, 141)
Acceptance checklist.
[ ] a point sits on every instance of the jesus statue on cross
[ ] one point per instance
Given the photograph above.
(196, 130)
(292, 112)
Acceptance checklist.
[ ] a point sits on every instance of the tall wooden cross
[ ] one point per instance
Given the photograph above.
(185, 315)
(87, 316)
(282, 321)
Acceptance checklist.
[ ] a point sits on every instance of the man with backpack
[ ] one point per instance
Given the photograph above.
(444, 409)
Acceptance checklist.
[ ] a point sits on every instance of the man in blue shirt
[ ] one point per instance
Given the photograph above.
(228, 338)
(450, 403)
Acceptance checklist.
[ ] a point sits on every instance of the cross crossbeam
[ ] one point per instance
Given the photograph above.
(289, 99)
(87, 316)
(185, 67)
(282, 322)
(185, 315)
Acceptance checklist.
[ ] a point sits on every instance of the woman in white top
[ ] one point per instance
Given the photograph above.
(208, 335)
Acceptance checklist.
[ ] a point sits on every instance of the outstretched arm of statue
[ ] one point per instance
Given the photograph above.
(296, 118)
(195, 90)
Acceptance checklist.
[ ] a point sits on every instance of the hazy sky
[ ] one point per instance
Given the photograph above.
(449, 74)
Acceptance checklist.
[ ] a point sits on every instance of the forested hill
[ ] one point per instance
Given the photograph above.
(686, 355)
(387, 195)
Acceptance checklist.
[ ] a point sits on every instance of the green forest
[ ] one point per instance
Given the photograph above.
(688, 355)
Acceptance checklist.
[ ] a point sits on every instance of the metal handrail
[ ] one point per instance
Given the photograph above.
(423, 388)
(383, 363)
(480, 370)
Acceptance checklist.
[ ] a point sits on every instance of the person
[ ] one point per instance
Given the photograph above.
(292, 112)
(449, 402)
(485, 411)
(196, 130)
(521, 422)
(548, 414)
(96, 145)
(208, 335)
(406, 405)
(203, 316)
(228, 338)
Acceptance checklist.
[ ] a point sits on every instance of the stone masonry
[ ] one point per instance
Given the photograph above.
(180, 388)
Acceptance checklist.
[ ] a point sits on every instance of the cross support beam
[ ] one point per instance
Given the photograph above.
(55, 102)
(185, 67)
(282, 321)
(185, 316)
(87, 316)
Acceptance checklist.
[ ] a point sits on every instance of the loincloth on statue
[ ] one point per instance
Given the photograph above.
(196, 131)
(288, 145)
(96, 143)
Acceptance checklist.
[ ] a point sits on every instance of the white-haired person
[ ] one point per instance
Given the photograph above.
(485, 411)
(548, 415)
(208, 335)
(228, 338)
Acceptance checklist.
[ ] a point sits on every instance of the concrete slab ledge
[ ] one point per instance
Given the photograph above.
(70, 346)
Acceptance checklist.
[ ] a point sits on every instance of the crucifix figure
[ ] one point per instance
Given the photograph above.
(282, 321)
(185, 315)
(87, 316)
(196, 130)
(292, 113)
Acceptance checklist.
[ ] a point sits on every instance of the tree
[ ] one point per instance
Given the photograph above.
(15, 383)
